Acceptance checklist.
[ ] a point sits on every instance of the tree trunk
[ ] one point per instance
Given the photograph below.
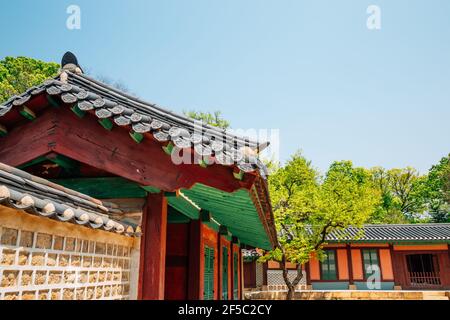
(291, 285)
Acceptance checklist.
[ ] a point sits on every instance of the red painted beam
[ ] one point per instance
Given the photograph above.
(153, 248)
(145, 163)
(84, 140)
(29, 141)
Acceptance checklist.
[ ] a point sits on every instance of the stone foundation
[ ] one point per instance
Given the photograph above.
(43, 259)
(350, 295)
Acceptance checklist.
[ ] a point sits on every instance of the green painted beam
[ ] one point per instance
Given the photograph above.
(234, 210)
(106, 123)
(32, 162)
(239, 175)
(137, 137)
(184, 206)
(223, 230)
(27, 113)
(52, 101)
(168, 148)
(3, 131)
(204, 161)
(213, 225)
(71, 166)
(174, 216)
(80, 113)
(104, 188)
(151, 189)
(205, 215)
(170, 194)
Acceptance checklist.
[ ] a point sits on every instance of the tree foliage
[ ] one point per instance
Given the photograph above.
(401, 195)
(436, 191)
(408, 197)
(308, 207)
(211, 118)
(19, 74)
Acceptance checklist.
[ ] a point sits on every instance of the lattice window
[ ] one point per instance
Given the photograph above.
(259, 274)
(328, 266)
(275, 280)
(42, 266)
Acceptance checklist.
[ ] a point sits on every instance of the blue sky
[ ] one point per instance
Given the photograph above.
(312, 69)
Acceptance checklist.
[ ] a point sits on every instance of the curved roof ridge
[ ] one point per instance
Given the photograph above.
(407, 224)
(157, 108)
(111, 106)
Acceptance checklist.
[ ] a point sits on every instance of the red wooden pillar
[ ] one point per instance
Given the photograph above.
(350, 264)
(233, 266)
(239, 266)
(444, 265)
(308, 275)
(153, 248)
(265, 268)
(194, 268)
(241, 275)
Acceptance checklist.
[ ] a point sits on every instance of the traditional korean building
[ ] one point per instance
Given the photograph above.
(404, 257)
(103, 208)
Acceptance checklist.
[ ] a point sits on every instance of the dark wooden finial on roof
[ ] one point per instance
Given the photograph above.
(70, 62)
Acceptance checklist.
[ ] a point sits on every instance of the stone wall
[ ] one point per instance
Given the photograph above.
(275, 280)
(50, 260)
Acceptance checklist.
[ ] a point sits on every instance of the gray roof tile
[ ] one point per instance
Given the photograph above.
(144, 117)
(393, 233)
(23, 191)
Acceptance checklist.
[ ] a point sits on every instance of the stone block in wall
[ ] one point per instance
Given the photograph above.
(46, 266)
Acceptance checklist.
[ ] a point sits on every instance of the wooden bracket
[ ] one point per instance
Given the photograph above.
(106, 123)
(168, 148)
(80, 113)
(205, 215)
(27, 113)
(223, 230)
(170, 194)
(52, 101)
(151, 189)
(238, 174)
(3, 131)
(137, 137)
(204, 161)
(68, 164)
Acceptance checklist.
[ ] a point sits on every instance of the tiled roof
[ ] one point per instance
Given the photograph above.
(432, 232)
(143, 117)
(22, 191)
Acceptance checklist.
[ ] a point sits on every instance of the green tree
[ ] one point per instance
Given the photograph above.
(446, 183)
(386, 211)
(308, 207)
(213, 119)
(401, 192)
(436, 192)
(19, 74)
